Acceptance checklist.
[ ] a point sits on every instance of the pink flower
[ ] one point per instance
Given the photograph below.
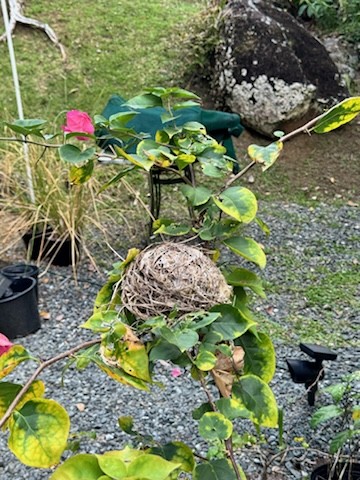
(5, 344)
(77, 121)
(176, 372)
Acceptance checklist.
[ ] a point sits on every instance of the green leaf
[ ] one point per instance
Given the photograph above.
(198, 412)
(195, 195)
(205, 360)
(117, 177)
(137, 160)
(80, 175)
(182, 339)
(264, 227)
(119, 120)
(278, 133)
(231, 409)
(212, 161)
(239, 203)
(105, 296)
(194, 127)
(132, 357)
(211, 170)
(126, 424)
(215, 470)
(204, 319)
(215, 426)
(72, 154)
(187, 104)
(323, 414)
(11, 359)
(102, 321)
(178, 92)
(82, 135)
(259, 357)
(100, 120)
(85, 357)
(339, 440)
(266, 156)
(257, 397)
(146, 100)
(170, 130)
(172, 229)
(163, 350)
(248, 249)
(176, 452)
(168, 117)
(151, 467)
(29, 126)
(241, 277)
(231, 324)
(114, 467)
(79, 467)
(336, 391)
(39, 432)
(338, 115)
(8, 392)
(119, 375)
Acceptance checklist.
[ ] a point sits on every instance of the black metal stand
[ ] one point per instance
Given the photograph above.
(162, 176)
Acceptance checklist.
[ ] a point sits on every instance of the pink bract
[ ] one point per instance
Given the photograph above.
(77, 121)
(5, 344)
(176, 372)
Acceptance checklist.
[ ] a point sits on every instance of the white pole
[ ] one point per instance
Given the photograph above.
(18, 96)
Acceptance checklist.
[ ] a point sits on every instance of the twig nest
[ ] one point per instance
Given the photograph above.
(172, 276)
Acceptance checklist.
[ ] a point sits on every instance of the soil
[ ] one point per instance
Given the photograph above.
(317, 167)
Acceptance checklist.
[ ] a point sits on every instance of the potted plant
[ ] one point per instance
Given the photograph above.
(55, 224)
(342, 417)
(169, 302)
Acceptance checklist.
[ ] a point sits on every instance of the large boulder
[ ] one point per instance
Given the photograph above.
(270, 69)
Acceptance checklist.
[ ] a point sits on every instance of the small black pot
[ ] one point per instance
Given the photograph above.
(22, 270)
(19, 313)
(352, 472)
(57, 252)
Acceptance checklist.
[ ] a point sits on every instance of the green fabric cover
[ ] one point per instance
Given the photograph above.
(220, 125)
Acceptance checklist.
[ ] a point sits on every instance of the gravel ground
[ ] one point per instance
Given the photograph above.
(325, 235)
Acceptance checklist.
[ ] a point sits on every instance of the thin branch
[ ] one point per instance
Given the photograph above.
(238, 175)
(25, 140)
(228, 442)
(37, 372)
(304, 129)
(230, 453)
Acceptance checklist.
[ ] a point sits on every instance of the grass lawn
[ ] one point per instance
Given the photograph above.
(111, 46)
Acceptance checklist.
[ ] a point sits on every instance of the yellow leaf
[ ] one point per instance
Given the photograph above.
(11, 359)
(338, 115)
(39, 432)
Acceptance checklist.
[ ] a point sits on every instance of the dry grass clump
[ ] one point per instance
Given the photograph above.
(172, 276)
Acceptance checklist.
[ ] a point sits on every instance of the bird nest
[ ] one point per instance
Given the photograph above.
(171, 276)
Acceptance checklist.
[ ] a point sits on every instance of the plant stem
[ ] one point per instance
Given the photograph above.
(37, 372)
(228, 442)
(238, 175)
(25, 140)
(230, 453)
(305, 128)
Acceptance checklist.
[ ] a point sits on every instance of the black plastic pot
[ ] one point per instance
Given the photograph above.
(43, 246)
(19, 313)
(352, 472)
(22, 270)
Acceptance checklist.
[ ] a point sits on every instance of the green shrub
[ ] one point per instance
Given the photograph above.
(342, 16)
